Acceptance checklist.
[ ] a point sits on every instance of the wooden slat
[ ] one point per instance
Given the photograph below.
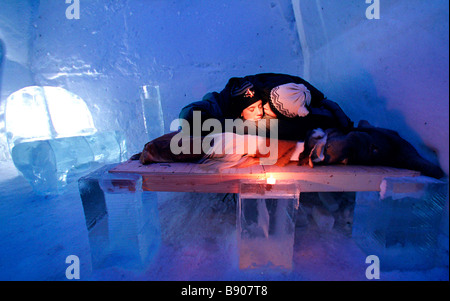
(337, 178)
(191, 177)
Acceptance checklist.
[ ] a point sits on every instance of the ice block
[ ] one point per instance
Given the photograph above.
(49, 165)
(400, 224)
(266, 224)
(152, 111)
(122, 220)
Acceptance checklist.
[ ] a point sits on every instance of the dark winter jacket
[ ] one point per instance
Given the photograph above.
(323, 114)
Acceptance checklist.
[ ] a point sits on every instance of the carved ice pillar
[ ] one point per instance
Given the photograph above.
(122, 220)
(266, 224)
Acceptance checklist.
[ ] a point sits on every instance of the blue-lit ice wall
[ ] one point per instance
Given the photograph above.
(186, 48)
(392, 71)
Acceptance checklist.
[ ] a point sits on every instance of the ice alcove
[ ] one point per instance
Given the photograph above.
(51, 137)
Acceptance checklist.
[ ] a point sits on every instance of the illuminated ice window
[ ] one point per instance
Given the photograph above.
(39, 113)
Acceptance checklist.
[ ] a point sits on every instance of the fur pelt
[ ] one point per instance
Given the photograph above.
(365, 145)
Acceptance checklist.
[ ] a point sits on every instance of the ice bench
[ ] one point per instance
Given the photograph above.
(260, 212)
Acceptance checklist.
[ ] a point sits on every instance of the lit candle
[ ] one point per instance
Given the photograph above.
(271, 180)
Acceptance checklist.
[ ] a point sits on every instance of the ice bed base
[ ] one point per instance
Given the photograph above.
(126, 221)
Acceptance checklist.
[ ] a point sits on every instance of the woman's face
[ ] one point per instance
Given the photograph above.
(268, 111)
(253, 112)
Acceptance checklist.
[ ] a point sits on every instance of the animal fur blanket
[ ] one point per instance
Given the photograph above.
(365, 145)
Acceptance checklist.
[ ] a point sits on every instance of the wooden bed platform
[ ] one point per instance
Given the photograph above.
(191, 177)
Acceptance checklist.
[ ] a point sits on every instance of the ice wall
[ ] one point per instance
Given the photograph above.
(392, 71)
(188, 48)
(16, 19)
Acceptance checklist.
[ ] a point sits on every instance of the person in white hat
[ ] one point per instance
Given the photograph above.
(290, 100)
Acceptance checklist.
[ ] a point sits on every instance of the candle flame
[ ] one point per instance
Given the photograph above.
(271, 180)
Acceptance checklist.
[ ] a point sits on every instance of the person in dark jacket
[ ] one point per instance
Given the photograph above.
(294, 120)
(239, 99)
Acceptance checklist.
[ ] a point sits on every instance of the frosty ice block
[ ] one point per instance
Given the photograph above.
(401, 223)
(49, 165)
(122, 220)
(266, 224)
(152, 111)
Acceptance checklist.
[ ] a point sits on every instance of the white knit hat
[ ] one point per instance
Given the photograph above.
(290, 99)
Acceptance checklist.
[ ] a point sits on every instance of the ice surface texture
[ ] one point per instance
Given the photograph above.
(122, 220)
(48, 165)
(266, 225)
(152, 111)
(401, 223)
